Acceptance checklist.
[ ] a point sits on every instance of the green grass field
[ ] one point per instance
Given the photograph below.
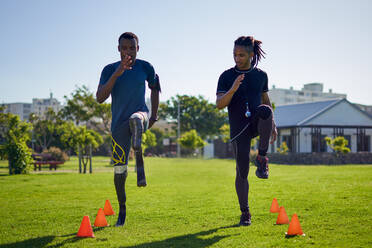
(187, 203)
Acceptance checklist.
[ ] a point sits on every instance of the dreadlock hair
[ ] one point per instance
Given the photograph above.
(129, 36)
(251, 45)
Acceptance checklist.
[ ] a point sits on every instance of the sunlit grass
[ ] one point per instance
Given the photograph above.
(187, 203)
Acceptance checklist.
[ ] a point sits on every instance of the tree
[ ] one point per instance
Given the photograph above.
(45, 128)
(82, 107)
(102, 112)
(195, 113)
(191, 140)
(225, 132)
(338, 144)
(80, 136)
(159, 147)
(148, 140)
(14, 135)
(81, 140)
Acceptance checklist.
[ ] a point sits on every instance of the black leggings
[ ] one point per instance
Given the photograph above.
(262, 125)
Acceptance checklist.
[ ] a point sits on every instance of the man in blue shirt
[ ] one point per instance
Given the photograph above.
(125, 82)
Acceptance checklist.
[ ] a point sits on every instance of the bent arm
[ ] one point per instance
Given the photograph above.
(224, 99)
(104, 91)
(154, 107)
(154, 103)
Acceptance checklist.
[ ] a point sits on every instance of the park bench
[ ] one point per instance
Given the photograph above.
(45, 159)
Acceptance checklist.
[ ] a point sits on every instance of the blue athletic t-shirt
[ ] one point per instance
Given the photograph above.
(128, 93)
(250, 91)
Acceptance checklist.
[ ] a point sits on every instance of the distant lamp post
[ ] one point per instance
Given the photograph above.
(178, 129)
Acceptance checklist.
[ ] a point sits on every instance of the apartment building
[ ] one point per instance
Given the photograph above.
(309, 93)
(38, 106)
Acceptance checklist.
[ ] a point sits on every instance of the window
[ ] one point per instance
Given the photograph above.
(288, 140)
(363, 141)
(318, 144)
(323, 144)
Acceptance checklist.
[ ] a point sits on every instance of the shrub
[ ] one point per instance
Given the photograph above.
(19, 157)
(338, 144)
(56, 154)
(14, 135)
(283, 149)
(191, 140)
(148, 140)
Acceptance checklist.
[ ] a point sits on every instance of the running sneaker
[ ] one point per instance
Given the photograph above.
(121, 219)
(262, 163)
(245, 219)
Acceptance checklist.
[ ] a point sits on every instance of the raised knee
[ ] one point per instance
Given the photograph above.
(134, 120)
(264, 111)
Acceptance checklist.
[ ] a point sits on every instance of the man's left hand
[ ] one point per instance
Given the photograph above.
(152, 121)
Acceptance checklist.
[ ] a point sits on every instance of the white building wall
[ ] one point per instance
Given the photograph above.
(309, 93)
(342, 114)
(41, 105)
(208, 151)
(23, 110)
(305, 140)
(285, 132)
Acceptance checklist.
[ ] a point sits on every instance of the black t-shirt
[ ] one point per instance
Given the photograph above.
(250, 91)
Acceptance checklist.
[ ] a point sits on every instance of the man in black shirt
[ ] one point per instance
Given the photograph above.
(243, 89)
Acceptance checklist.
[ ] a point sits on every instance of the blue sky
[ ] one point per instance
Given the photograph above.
(51, 46)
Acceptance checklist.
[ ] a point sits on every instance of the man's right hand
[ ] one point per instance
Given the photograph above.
(224, 99)
(237, 82)
(124, 65)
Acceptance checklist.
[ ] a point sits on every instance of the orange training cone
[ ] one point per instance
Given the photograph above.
(294, 227)
(85, 229)
(282, 217)
(100, 219)
(274, 206)
(108, 209)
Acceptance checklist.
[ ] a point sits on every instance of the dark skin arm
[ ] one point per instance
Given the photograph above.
(154, 107)
(104, 91)
(266, 100)
(223, 99)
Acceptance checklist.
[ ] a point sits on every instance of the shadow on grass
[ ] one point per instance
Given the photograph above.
(195, 240)
(35, 242)
(44, 241)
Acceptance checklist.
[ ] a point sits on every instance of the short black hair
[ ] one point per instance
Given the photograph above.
(129, 36)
